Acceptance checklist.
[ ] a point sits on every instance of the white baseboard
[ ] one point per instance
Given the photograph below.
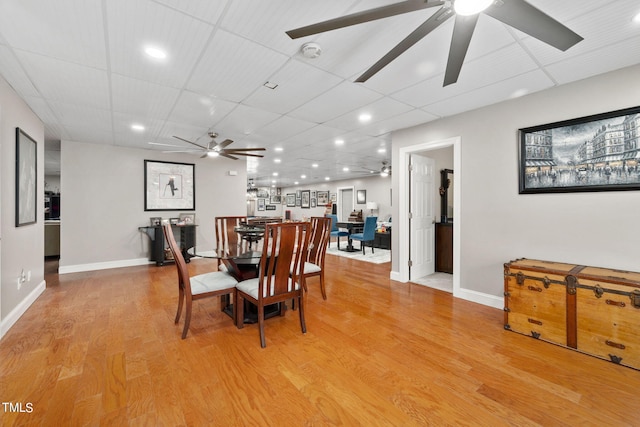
(466, 294)
(480, 298)
(21, 308)
(103, 265)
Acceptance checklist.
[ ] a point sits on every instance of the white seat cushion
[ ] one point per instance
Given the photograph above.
(311, 268)
(250, 287)
(210, 282)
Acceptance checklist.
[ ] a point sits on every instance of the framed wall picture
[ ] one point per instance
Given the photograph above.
(169, 186)
(271, 207)
(263, 193)
(313, 202)
(593, 153)
(322, 197)
(261, 204)
(276, 199)
(305, 199)
(334, 197)
(361, 197)
(26, 178)
(188, 218)
(291, 199)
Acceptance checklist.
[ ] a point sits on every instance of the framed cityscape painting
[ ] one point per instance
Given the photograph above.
(593, 153)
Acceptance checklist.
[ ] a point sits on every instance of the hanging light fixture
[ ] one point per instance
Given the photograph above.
(252, 191)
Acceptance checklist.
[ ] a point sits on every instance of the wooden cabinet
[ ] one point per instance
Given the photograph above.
(589, 309)
(444, 247)
(159, 252)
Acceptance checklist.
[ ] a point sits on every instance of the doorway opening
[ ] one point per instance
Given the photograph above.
(404, 210)
(345, 202)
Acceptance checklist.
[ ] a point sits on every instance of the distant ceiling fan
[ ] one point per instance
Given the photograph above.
(214, 149)
(517, 13)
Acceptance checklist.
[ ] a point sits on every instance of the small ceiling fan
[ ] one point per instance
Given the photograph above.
(516, 13)
(214, 149)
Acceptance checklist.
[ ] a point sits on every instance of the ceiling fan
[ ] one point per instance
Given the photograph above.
(214, 149)
(517, 13)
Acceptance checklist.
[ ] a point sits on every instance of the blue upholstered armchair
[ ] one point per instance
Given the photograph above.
(335, 231)
(368, 234)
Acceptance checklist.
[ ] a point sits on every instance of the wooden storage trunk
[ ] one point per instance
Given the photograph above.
(589, 309)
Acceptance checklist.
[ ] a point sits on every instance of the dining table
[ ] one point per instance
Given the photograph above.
(352, 227)
(243, 265)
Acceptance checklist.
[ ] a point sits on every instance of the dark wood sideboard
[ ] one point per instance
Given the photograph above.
(444, 247)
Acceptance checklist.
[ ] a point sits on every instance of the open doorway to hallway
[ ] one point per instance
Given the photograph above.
(445, 155)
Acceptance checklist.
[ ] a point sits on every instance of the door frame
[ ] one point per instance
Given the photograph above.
(339, 191)
(403, 205)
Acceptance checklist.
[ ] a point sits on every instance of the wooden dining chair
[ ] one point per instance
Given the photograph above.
(227, 239)
(279, 279)
(318, 243)
(216, 283)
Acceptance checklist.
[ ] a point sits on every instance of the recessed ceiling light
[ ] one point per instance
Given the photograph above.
(364, 117)
(339, 141)
(303, 176)
(296, 183)
(137, 127)
(345, 169)
(275, 174)
(155, 53)
(278, 149)
(637, 18)
(276, 160)
(326, 178)
(382, 150)
(273, 186)
(314, 165)
(273, 182)
(518, 93)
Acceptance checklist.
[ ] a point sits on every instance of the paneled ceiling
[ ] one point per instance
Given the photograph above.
(81, 67)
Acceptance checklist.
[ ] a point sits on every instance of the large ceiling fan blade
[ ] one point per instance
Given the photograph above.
(224, 143)
(228, 156)
(190, 142)
(245, 149)
(427, 26)
(182, 151)
(164, 145)
(363, 16)
(462, 32)
(522, 16)
(242, 154)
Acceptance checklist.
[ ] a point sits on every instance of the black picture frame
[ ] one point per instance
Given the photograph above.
(322, 197)
(26, 179)
(271, 207)
(169, 186)
(305, 199)
(600, 152)
(291, 199)
(361, 197)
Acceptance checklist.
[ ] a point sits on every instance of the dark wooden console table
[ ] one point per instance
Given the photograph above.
(185, 237)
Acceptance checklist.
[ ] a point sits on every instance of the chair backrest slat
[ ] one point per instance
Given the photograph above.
(284, 249)
(320, 236)
(181, 265)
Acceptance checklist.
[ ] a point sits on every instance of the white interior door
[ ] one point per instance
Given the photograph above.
(346, 203)
(421, 217)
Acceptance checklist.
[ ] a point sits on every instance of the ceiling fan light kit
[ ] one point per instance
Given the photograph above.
(311, 50)
(215, 149)
(516, 13)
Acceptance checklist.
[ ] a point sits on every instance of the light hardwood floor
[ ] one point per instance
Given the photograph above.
(101, 348)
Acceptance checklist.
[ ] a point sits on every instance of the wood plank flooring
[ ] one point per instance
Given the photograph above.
(101, 348)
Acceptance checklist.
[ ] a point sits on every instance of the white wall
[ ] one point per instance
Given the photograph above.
(22, 247)
(103, 203)
(498, 224)
(378, 190)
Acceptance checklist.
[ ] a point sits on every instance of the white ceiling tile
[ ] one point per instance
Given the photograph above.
(401, 121)
(88, 135)
(243, 120)
(599, 61)
(233, 67)
(72, 83)
(13, 72)
(133, 25)
(208, 11)
(70, 30)
(198, 110)
(283, 128)
(142, 98)
(381, 109)
(335, 102)
(491, 94)
(73, 114)
(298, 83)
